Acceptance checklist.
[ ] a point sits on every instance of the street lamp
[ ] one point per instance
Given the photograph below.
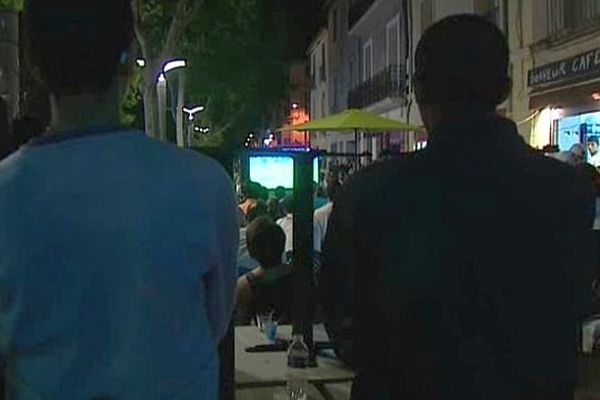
(174, 64)
(162, 101)
(140, 62)
(193, 111)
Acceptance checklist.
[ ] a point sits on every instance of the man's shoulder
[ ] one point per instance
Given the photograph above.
(381, 176)
(188, 162)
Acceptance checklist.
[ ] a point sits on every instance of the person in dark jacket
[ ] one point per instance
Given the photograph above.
(461, 272)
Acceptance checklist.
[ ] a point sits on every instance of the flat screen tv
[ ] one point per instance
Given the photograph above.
(275, 171)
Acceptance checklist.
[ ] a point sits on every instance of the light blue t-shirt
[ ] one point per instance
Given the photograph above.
(117, 269)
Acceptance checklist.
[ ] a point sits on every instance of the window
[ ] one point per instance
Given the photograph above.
(426, 14)
(571, 14)
(368, 60)
(393, 42)
(323, 68)
(351, 70)
(323, 105)
(335, 92)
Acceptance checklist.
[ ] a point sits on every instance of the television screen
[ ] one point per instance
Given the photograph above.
(274, 171)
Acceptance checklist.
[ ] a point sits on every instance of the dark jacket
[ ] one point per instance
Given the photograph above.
(461, 272)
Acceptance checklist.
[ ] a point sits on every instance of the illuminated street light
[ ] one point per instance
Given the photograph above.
(596, 96)
(193, 111)
(140, 62)
(174, 64)
(295, 106)
(162, 78)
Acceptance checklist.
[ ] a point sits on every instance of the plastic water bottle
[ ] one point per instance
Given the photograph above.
(298, 360)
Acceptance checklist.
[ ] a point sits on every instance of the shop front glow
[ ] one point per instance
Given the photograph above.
(275, 171)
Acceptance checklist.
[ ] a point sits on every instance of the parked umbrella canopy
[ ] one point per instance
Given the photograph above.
(353, 121)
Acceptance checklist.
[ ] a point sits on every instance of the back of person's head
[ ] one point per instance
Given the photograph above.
(78, 46)
(333, 188)
(266, 242)
(274, 209)
(462, 64)
(256, 211)
(279, 193)
(253, 190)
(290, 204)
(591, 175)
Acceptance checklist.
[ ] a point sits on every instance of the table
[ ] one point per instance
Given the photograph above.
(265, 373)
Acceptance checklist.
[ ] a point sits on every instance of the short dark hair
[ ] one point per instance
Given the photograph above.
(266, 242)
(253, 190)
(290, 204)
(257, 211)
(594, 139)
(333, 188)
(462, 61)
(77, 46)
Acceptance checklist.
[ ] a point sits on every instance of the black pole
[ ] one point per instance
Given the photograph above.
(302, 262)
(356, 151)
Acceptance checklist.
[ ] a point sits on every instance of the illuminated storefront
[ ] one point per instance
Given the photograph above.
(565, 101)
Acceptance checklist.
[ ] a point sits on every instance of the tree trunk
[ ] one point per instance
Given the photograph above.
(9, 61)
(150, 109)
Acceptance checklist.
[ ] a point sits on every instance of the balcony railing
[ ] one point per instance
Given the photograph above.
(358, 8)
(389, 83)
(572, 15)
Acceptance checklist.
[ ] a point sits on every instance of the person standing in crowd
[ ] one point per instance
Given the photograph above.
(594, 150)
(592, 176)
(322, 214)
(442, 286)
(245, 262)
(117, 252)
(268, 287)
(287, 224)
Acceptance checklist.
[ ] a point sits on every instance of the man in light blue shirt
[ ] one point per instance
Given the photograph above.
(117, 252)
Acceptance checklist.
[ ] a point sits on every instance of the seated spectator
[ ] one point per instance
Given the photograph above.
(267, 288)
(252, 192)
(245, 262)
(322, 214)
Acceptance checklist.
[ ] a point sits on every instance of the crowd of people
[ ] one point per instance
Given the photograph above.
(445, 274)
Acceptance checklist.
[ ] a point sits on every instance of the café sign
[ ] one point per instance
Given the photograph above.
(579, 66)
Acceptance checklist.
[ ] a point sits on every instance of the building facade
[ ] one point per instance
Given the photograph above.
(319, 86)
(555, 58)
(378, 73)
(371, 61)
(295, 108)
(423, 14)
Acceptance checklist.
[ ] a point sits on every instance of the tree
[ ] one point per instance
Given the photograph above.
(11, 5)
(160, 28)
(235, 50)
(238, 66)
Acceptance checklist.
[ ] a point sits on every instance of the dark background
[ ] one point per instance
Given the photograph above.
(305, 17)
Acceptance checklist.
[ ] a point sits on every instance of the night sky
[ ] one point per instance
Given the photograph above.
(305, 18)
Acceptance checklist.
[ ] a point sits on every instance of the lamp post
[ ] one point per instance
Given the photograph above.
(162, 99)
(191, 113)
